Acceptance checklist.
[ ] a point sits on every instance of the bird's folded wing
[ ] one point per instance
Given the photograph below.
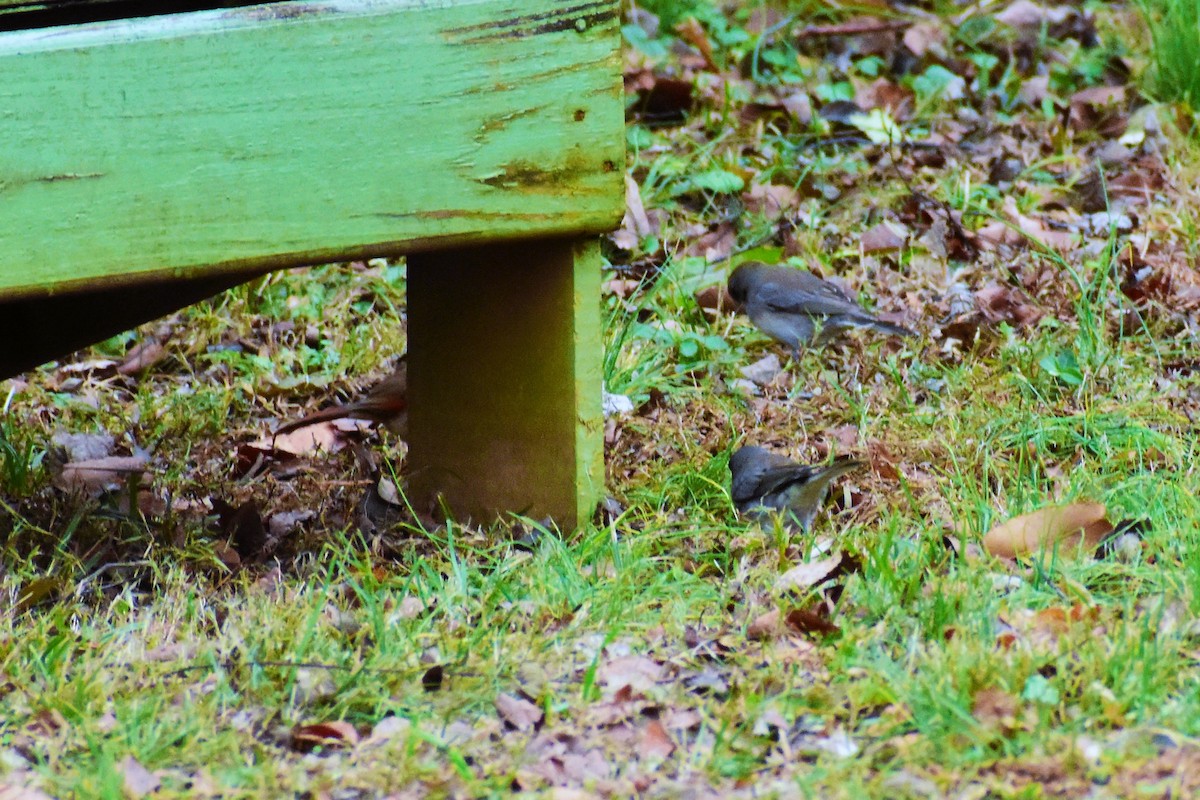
(826, 301)
(779, 478)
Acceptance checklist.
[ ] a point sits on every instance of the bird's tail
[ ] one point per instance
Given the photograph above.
(812, 491)
(889, 328)
(837, 468)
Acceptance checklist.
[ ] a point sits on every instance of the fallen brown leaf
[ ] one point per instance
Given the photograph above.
(811, 620)
(639, 222)
(1027, 14)
(807, 575)
(884, 237)
(996, 709)
(692, 32)
(323, 436)
(518, 712)
(764, 626)
(1000, 303)
(1074, 524)
(636, 672)
(924, 36)
(770, 199)
(142, 357)
(656, 742)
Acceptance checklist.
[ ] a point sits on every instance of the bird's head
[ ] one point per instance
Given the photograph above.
(741, 281)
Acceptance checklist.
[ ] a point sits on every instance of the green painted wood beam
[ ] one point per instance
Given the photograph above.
(504, 377)
(231, 141)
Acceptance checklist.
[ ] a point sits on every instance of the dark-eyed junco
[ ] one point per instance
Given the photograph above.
(765, 483)
(791, 305)
(386, 403)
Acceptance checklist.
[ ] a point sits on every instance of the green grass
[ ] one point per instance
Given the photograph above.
(1175, 33)
(951, 673)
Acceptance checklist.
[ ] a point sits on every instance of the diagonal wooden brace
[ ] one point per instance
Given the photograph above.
(505, 380)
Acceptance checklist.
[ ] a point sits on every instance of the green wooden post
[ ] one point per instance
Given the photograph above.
(504, 380)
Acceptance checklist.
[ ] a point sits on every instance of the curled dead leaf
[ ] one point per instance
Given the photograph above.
(1074, 524)
(324, 734)
(691, 31)
(764, 626)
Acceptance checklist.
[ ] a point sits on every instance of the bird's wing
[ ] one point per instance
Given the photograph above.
(747, 483)
(807, 297)
(778, 478)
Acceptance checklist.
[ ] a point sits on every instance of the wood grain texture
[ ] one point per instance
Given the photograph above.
(504, 381)
(294, 133)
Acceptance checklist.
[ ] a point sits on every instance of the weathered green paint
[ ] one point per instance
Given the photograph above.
(504, 380)
(588, 372)
(302, 132)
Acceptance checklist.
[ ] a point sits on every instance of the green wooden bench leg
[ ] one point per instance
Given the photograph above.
(504, 372)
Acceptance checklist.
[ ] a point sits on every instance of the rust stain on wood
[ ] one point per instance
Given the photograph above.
(522, 174)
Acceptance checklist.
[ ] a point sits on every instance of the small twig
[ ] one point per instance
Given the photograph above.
(853, 28)
(232, 664)
(105, 568)
(771, 31)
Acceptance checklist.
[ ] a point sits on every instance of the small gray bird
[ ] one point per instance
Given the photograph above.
(766, 483)
(789, 305)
